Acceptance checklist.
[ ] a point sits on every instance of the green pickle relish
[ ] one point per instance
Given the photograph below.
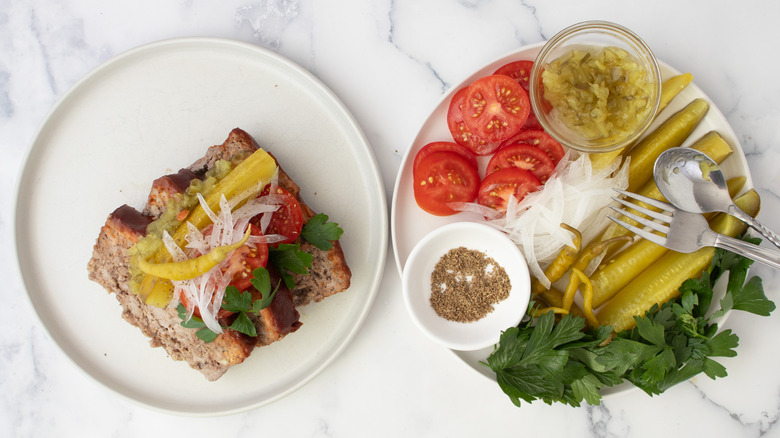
(599, 93)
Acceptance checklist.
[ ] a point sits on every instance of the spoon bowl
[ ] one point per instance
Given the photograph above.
(692, 182)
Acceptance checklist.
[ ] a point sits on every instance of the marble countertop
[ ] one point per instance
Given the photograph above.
(389, 62)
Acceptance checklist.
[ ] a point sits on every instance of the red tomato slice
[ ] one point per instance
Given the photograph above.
(287, 220)
(444, 146)
(523, 156)
(441, 178)
(533, 122)
(520, 71)
(244, 260)
(540, 139)
(497, 187)
(460, 132)
(495, 108)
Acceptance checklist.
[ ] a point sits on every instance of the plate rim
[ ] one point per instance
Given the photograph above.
(373, 281)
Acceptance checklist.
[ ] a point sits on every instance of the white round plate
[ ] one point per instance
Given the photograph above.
(149, 112)
(409, 224)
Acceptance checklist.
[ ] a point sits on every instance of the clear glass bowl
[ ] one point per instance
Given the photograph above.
(593, 37)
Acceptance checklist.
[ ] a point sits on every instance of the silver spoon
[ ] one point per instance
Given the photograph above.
(691, 181)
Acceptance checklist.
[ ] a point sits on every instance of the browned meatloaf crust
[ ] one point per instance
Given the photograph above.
(329, 274)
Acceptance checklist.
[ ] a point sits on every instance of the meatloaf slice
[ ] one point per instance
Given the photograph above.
(109, 267)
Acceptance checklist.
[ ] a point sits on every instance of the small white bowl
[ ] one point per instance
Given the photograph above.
(422, 260)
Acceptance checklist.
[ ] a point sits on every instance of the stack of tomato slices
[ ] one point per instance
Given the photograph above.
(490, 117)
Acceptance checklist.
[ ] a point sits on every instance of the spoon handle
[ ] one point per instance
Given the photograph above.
(758, 226)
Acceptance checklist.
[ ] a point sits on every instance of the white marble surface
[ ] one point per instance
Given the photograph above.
(389, 61)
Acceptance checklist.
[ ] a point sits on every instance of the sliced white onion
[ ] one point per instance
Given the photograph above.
(207, 291)
(274, 238)
(251, 209)
(206, 208)
(195, 240)
(574, 195)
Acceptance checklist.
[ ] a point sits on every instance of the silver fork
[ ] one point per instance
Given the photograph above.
(684, 232)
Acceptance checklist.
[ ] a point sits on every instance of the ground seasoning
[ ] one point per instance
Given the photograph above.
(466, 283)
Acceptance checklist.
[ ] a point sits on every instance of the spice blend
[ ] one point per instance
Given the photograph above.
(465, 284)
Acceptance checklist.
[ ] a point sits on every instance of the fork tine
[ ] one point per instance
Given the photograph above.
(644, 221)
(647, 235)
(643, 210)
(650, 201)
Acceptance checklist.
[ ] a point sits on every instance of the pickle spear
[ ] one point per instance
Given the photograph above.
(669, 134)
(672, 87)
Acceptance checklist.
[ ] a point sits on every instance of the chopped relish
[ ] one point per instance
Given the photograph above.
(602, 94)
(169, 220)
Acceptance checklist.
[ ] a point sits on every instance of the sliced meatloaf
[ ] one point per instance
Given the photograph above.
(329, 274)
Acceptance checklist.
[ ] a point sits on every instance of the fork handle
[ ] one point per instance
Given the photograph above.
(758, 226)
(767, 255)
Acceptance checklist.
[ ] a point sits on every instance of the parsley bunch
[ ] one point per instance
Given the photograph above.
(566, 363)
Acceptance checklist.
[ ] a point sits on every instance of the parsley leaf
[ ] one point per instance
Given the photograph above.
(587, 387)
(244, 325)
(204, 333)
(235, 301)
(723, 344)
(289, 259)
(262, 282)
(651, 330)
(321, 233)
(751, 298)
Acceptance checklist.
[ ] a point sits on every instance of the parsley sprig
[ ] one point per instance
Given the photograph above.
(238, 302)
(566, 363)
(288, 260)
